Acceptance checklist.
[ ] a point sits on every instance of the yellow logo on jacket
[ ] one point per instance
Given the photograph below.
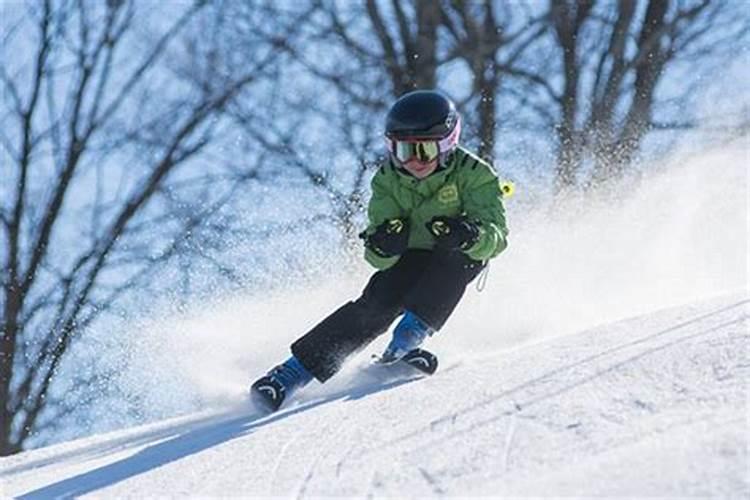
(448, 194)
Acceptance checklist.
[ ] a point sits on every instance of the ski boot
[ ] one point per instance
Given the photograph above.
(273, 388)
(407, 337)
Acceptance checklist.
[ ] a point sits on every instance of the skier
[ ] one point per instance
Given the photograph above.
(436, 217)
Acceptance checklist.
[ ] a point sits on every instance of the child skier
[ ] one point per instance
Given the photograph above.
(435, 218)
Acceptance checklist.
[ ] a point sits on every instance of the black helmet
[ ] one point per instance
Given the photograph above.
(423, 114)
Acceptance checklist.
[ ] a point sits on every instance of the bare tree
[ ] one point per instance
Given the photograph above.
(345, 123)
(489, 37)
(101, 134)
(410, 48)
(610, 58)
(588, 72)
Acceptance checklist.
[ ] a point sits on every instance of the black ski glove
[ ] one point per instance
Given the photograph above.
(391, 238)
(453, 233)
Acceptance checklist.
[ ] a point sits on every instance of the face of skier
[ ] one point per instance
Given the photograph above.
(420, 169)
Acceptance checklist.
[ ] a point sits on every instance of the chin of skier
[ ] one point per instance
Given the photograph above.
(436, 217)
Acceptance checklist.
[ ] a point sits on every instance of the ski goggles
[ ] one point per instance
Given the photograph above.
(424, 151)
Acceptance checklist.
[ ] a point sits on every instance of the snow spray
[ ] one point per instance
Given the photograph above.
(680, 235)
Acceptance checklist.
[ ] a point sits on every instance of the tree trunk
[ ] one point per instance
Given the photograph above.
(424, 69)
(9, 333)
(568, 18)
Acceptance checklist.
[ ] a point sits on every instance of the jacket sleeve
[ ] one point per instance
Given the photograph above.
(483, 202)
(382, 206)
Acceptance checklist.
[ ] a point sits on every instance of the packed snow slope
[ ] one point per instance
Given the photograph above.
(607, 355)
(654, 405)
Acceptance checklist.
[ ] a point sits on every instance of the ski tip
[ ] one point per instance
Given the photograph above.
(419, 359)
(422, 360)
(267, 394)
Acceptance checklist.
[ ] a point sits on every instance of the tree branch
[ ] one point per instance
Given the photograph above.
(391, 58)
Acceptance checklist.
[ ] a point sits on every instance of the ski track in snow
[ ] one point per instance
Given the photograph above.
(654, 405)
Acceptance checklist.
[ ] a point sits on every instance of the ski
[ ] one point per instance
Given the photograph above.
(420, 359)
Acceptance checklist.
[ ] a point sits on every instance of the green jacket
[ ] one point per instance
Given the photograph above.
(466, 186)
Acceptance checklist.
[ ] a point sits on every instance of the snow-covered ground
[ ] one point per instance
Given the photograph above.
(607, 356)
(654, 405)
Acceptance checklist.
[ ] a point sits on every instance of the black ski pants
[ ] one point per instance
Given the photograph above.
(428, 283)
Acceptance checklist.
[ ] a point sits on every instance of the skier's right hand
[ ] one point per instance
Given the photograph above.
(389, 239)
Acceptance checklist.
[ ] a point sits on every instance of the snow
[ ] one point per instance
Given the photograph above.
(654, 405)
(607, 356)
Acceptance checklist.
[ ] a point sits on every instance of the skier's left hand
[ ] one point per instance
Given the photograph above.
(453, 233)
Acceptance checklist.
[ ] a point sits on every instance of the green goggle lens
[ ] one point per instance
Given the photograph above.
(424, 151)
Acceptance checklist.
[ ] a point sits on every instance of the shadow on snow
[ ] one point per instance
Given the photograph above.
(188, 443)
